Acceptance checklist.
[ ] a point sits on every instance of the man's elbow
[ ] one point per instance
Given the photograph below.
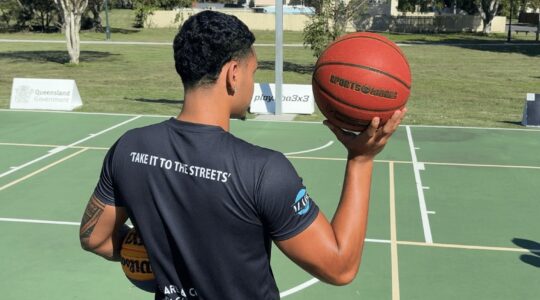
(89, 244)
(342, 279)
(86, 245)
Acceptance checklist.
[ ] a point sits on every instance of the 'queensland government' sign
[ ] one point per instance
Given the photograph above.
(49, 94)
(295, 99)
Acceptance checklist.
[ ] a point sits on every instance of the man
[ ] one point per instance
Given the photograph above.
(207, 204)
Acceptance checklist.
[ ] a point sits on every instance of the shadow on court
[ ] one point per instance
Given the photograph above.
(287, 67)
(160, 100)
(60, 57)
(532, 259)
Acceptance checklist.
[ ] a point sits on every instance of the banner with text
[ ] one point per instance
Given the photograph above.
(296, 99)
(49, 94)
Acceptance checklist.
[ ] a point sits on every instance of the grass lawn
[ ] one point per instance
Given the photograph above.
(459, 79)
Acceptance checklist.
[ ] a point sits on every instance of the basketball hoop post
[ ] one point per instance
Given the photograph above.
(279, 57)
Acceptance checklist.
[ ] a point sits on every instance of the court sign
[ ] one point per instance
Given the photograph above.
(47, 94)
(296, 99)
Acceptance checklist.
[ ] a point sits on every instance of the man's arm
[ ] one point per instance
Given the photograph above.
(332, 251)
(103, 228)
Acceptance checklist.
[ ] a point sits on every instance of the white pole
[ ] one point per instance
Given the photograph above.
(279, 56)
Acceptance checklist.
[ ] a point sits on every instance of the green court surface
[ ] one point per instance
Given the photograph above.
(453, 215)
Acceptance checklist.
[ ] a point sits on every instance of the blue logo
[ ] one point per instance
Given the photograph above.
(302, 203)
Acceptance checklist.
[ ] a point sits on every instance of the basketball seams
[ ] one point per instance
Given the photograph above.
(380, 82)
(365, 68)
(394, 46)
(337, 99)
(127, 249)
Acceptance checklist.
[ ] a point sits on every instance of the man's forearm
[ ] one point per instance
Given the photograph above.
(110, 249)
(103, 229)
(350, 220)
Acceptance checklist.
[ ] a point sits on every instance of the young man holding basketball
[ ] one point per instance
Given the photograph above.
(207, 204)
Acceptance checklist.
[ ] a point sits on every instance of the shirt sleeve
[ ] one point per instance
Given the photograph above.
(104, 190)
(284, 205)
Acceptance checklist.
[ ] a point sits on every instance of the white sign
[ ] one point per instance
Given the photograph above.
(50, 94)
(296, 99)
(531, 110)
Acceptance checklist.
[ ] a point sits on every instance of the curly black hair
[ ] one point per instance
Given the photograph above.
(205, 43)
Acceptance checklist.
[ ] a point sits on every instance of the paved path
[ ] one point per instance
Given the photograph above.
(262, 45)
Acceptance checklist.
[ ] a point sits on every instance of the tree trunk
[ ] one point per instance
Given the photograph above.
(488, 10)
(72, 11)
(73, 23)
(95, 8)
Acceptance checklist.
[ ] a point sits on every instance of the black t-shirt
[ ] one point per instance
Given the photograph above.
(207, 206)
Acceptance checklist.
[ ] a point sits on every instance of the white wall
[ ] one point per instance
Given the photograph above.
(261, 21)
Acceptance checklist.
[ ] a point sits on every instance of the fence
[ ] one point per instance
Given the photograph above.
(529, 18)
(412, 24)
(428, 24)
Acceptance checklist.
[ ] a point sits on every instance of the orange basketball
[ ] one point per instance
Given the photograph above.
(360, 76)
(135, 262)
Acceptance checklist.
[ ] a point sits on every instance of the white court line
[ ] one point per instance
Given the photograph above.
(39, 221)
(407, 243)
(29, 145)
(393, 236)
(42, 169)
(483, 165)
(317, 158)
(73, 223)
(475, 128)
(420, 189)
(311, 150)
(62, 148)
(81, 113)
(467, 247)
(53, 146)
(253, 120)
(377, 241)
(298, 288)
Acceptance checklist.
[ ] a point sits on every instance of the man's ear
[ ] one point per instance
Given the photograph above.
(231, 70)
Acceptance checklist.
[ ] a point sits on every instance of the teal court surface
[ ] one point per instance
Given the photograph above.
(454, 211)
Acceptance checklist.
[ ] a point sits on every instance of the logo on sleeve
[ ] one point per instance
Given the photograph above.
(302, 203)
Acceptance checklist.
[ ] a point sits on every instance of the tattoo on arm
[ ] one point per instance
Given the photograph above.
(93, 211)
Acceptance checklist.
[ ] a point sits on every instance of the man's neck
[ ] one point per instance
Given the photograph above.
(206, 106)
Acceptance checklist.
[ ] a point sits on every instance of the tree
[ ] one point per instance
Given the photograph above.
(8, 11)
(534, 5)
(146, 7)
(126, 4)
(488, 9)
(411, 5)
(95, 7)
(44, 10)
(72, 11)
(330, 22)
(25, 14)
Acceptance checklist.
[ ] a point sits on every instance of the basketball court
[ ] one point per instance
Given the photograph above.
(454, 211)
